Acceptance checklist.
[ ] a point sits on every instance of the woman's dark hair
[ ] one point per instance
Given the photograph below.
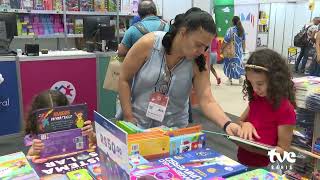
(279, 77)
(192, 20)
(146, 8)
(46, 99)
(236, 22)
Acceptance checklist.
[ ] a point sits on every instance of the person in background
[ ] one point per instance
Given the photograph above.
(48, 99)
(213, 59)
(164, 67)
(233, 67)
(270, 117)
(304, 52)
(150, 22)
(315, 65)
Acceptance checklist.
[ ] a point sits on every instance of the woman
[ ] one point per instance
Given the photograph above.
(164, 67)
(233, 67)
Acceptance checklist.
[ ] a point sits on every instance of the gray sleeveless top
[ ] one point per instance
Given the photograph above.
(150, 76)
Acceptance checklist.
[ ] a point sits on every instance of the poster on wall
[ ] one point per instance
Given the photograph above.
(225, 10)
(9, 99)
(71, 77)
(249, 15)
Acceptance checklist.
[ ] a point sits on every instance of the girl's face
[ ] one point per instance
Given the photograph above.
(195, 43)
(259, 82)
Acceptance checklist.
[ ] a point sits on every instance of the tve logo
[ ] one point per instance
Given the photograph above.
(290, 157)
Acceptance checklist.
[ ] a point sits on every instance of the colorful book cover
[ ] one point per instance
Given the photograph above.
(184, 143)
(61, 118)
(99, 5)
(154, 172)
(79, 175)
(112, 5)
(160, 147)
(136, 160)
(58, 167)
(258, 174)
(72, 5)
(202, 164)
(16, 167)
(63, 142)
(95, 171)
(86, 5)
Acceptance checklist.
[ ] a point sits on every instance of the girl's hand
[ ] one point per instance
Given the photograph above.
(87, 129)
(248, 131)
(233, 129)
(36, 147)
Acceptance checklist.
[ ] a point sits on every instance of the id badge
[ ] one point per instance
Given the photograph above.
(157, 107)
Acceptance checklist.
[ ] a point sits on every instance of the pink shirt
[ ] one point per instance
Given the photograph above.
(266, 120)
(214, 45)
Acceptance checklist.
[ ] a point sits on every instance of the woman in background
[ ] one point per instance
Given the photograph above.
(233, 67)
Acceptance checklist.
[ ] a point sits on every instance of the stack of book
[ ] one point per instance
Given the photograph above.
(60, 130)
(202, 164)
(303, 86)
(313, 102)
(16, 166)
(303, 133)
(303, 167)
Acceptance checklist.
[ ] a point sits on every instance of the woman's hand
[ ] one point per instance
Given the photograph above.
(248, 131)
(233, 129)
(36, 147)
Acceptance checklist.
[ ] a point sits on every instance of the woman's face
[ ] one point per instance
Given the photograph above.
(195, 43)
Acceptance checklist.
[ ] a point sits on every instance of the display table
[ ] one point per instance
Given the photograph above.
(71, 72)
(9, 97)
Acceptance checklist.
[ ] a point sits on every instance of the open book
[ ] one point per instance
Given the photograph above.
(244, 141)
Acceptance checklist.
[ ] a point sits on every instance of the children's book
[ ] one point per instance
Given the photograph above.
(258, 174)
(79, 175)
(154, 172)
(188, 142)
(95, 171)
(63, 142)
(16, 167)
(61, 118)
(136, 160)
(57, 168)
(202, 164)
(238, 140)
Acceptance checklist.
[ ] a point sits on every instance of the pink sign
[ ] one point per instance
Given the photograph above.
(76, 78)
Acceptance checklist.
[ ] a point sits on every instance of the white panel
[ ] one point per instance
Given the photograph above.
(249, 19)
(172, 8)
(287, 36)
(279, 27)
(202, 4)
(159, 6)
(272, 22)
(301, 16)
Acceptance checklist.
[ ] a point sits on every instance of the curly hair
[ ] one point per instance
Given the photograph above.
(192, 20)
(280, 83)
(46, 99)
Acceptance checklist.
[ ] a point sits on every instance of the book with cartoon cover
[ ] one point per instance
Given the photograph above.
(16, 166)
(61, 118)
(202, 164)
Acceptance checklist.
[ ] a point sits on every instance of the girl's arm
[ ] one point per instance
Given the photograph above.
(285, 134)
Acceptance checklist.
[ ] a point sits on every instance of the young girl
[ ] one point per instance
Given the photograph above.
(270, 116)
(48, 99)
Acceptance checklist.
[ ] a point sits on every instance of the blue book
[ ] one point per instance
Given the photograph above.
(203, 164)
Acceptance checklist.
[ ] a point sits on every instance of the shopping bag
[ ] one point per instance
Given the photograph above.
(229, 50)
(113, 73)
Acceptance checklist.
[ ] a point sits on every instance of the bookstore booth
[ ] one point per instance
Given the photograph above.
(60, 102)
